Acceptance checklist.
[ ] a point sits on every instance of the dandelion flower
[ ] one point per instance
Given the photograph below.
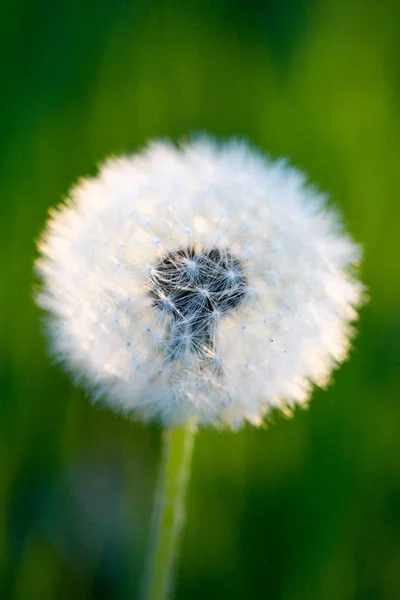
(203, 281)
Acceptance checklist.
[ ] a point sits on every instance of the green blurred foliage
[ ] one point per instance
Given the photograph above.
(307, 509)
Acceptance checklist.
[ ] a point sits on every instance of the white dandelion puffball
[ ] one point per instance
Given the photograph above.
(198, 281)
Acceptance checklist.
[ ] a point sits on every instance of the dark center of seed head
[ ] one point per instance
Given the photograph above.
(195, 289)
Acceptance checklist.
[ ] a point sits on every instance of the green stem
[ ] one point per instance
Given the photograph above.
(169, 511)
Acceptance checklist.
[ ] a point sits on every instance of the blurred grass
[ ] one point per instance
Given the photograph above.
(308, 509)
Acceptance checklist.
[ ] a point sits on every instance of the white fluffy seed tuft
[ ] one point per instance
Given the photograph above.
(204, 280)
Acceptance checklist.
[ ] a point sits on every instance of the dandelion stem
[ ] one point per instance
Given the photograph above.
(169, 511)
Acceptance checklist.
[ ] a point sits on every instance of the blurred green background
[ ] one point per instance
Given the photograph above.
(310, 508)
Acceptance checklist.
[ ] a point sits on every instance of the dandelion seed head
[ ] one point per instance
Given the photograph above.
(203, 280)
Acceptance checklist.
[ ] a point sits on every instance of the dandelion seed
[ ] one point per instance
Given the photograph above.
(168, 276)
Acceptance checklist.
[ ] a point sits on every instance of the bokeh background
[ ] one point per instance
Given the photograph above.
(308, 509)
